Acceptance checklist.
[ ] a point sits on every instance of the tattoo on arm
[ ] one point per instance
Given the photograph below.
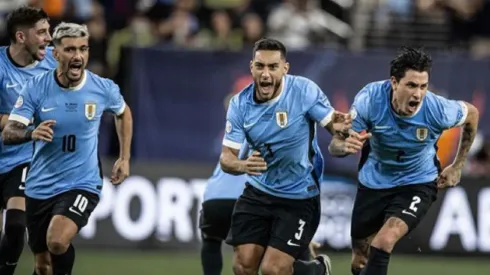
(467, 136)
(16, 133)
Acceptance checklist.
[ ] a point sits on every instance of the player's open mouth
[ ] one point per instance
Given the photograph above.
(76, 68)
(266, 87)
(413, 105)
(42, 50)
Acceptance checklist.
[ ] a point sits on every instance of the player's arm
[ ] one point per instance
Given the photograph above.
(234, 137)
(344, 145)
(3, 121)
(470, 127)
(16, 130)
(124, 128)
(319, 109)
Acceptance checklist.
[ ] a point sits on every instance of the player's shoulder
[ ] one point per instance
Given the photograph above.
(41, 78)
(433, 98)
(4, 59)
(49, 57)
(376, 88)
(99, 81)
(243, 96)
(300, 83)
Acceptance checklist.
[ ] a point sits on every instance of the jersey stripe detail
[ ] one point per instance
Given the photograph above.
(464, 109)
(232, 144)
(20, 119)
(326, 120)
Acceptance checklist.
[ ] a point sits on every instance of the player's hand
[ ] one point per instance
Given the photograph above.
(44, 131)
(120, 171)
(341, 123)
(312, 247)
(355, 142)
(255, 164)
(449, 177)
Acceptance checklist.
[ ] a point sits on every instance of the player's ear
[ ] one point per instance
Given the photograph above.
(56, 54)
(20, 36)
(394, 83)
(286, 67)
(251, 65)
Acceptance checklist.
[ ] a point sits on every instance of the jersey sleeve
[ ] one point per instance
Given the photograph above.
(25, 106)
(234, 132)
(360, 111)
(115, 101)
(447, 113)
(317, 105)
(5, 102)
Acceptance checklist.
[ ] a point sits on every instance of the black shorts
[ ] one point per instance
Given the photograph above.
(373, 207)
(215, 218)
(12, 183)
(77, 205)
(285, 224)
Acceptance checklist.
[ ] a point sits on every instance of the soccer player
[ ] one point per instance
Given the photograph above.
(220, 196)
(274, 219)
(27, 55)
(65, 178)
(399, 172)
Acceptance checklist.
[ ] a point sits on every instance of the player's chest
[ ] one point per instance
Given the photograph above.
(13, 80)
(74, 108)
(274, 124)
(390, 132)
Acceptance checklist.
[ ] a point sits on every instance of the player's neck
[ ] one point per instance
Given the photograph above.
(19, 56)
(64, 82)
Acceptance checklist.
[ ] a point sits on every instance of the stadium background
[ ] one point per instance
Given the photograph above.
(178, 61)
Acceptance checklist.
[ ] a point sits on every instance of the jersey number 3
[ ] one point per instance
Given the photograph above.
(69, 143)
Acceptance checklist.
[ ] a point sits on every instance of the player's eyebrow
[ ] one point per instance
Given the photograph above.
(271, 64)
(416, 84)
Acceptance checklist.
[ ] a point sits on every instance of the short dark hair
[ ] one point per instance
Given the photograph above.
(268, 44)
(410, 58)
(23, 17)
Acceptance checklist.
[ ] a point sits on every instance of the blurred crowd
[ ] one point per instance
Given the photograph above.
(456, 25)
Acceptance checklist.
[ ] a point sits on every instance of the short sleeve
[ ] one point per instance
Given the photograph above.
(360, 111)
(317, 104)
(447, 113)
(115, 101)
(25, 106)
(234, 132)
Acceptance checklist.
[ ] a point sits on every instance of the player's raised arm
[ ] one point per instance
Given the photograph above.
(232, 142)
(344, 145)
(124, 128)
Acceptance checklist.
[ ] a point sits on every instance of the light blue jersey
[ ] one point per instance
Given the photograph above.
(284, 131)
(402, 150)
(222, 185)
(12, 78)
(70, 161)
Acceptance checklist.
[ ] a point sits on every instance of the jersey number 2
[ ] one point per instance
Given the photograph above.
(415, 200)
(69, 143)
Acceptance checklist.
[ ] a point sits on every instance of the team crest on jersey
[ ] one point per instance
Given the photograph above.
(282, 118)
(90, 108)
(422, 133)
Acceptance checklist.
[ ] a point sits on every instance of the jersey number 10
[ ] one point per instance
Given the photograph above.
(69, 143)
